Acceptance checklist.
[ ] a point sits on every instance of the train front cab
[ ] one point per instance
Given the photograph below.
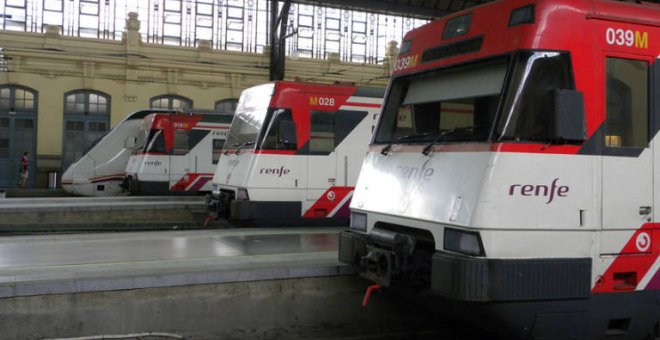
(541, 224)
(293, 154)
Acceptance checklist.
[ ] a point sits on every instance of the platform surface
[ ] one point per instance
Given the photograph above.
(54, 264)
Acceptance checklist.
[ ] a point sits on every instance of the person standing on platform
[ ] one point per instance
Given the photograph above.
(25, 164)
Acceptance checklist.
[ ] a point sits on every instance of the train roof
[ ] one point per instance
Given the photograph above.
(337, 88)
(143, 113)
(500, 27)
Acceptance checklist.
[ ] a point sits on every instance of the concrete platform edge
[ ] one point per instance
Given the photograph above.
(80, 285)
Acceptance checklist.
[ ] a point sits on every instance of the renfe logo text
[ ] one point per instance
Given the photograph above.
(155, 163)
(411, 172)
(275, 171)
(539, 190)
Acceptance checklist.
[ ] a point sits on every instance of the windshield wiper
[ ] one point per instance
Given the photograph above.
(429, 147)
(388, 147)
(238, 147)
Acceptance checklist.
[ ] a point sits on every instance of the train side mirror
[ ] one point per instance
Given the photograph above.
(288, 133)
(129, 142)
(569, 117)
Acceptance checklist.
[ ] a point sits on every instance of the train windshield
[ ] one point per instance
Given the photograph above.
(155, 141)
(450, 105)
(140, 141)
(461, 104)
(250, 116)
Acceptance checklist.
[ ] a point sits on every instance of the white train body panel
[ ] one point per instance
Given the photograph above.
(313, 179)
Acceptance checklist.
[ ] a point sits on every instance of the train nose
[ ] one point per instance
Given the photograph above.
(67, 176)
(67, 181)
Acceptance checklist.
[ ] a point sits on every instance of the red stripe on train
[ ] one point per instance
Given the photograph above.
(330, 200)
(633, 262)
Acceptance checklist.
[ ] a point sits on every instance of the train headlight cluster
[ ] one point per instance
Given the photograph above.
(358, 221)
(464, 242)
(215, 192)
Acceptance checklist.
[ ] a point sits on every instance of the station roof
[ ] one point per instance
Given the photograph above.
(422, 9)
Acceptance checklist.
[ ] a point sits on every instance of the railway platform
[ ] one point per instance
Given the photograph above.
(88, 214)
(195, 284)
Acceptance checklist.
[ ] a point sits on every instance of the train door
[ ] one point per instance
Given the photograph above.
(182, 161)
(321, 160)
(355, 140)
(18, 133)
(627, 164)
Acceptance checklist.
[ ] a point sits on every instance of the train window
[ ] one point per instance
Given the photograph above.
(446, 106)
(626, 124)
(529, 106)
(345, 123)
(156, 141)
(181, 142)
(276, 138)
(217, 146)
(322, 132)
(457, 27)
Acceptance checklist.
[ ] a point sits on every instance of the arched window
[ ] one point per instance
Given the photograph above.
(86, 119)
(18, 132)
(171, 102)
(227, 105)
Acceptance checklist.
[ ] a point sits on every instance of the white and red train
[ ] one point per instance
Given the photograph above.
(184, 148)
(293, 153)
(179, 154)
(100, 171)
(514, 173)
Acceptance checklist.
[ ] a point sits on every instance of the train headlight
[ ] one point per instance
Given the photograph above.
(215, 192)
(358, 221)
(464, 242)
(242, 194)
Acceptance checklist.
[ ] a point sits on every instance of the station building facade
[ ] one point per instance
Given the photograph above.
(58, 94)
